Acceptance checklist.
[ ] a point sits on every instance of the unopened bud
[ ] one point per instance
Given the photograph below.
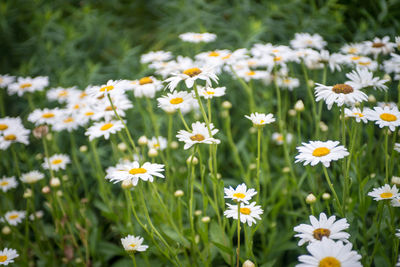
(40, 131)
(192, 160)
(174, 145)
(122, 146)
(59, 193)
(286, 170)
(373, 175)
(299, 106)
(179, 193)
(311, 199)
(49, 136)
(83, 148)
(396, 180)
(323, 126)
(205, 219)
(292, 112)
(387, 77)
(27, 193)
(371, 98)
(55, 182)
(311, 83)
(38, 156)
(226, 105)
(46, 190)
(326, 196)
(143, 140)
(198, 212)
(6, 230)
(126, 184)
(248, 263)
(152, 153)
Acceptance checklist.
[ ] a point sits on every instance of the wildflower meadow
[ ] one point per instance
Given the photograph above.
(166, 137)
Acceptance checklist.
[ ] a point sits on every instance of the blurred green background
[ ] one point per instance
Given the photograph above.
(81, 42)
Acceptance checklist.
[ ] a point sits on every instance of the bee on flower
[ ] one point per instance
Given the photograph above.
(199, 135)
(316, 152)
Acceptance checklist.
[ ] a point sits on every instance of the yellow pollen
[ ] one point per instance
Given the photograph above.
(239, 195)
(386, 195)
(210, 93)
(342, 88)
(250, 73)
(275, 50)
(175, 101)
(329, 262)
(227, 56)
(3, 127)
(213, 54)
(109, 108)
(277, 59)
(279, 138)
(106, 88)
(388, 117)
(245, 211)
(56, 161)
(132, 245)
(145, 80)
(355, 58)
(76, 106)
(358, 114)
(321, 151)
(13, 217)
(89, 113)
(156, 145)
(4, 183)
(82, 95)
(192, 72)
(319, 233)
(3, 258)
(70, 119)
(197, 137)
(364, 63)
(378, 45)
(48, 115)
(286, 81)
(137, 171)
(106, 126)
(10, 137)
(251, 63)
(25, 85)
(63, 93)
(352, 50)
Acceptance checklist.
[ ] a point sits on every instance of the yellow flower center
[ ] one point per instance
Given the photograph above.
(239, 195)
(388, 117)
(175, 101)
(145, 80)
(192, 72)
(279, 138)
(386, 195)
(213, 54)
(197, 137)
(137, 171)
(89, 113)
(13, 217)
(109, 108)
(63, 93)
(321, 151)
(358, 114)
(132, 245)
(82, 95)
(355, 58)
(286, 81)
(106, 126)
(366, 63)
(277, 59)
(245, 211)
(378, 45)
(329, 262)
(106, 88)
(227, 56)
(4, 183)
(76, 106)
(352, 50)
(10, 137)
(250, 73)
(342, 88)
(156, 145)
(25, 85)
(3, 127)
(210, 93)
(3, 258)
(70, 119)
(48, 115)
(275, 50)
(320, 233)
(56, 161)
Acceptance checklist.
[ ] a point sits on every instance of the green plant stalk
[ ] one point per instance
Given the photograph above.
(133, 259)
(311, 96)
(258, 174)
(183, 121)
(238, 238)
(380, 215)
(77, 163)
(328, 180)
(386, 158)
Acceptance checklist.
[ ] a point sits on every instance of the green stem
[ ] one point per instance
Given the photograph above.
(238, 237)
(328, 180)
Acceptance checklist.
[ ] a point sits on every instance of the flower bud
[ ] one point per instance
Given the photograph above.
(323, 126)
(143, 140)
(373, 175)
(59, 193)
(174, 145)
(248, 263)
(286, 170)
(311, 199)
(205, 219)
(27, 193)
(38, 156)
(198, 212)
(311, 83)
(396, 180)
(226, 105)
(126, 184)
(83, 148)
(6, 230)
(152, 153)
(46, 190)
(55, 182)
(387, 77)
(40, 131)
(122, 146)
(326, 196)
(65, 177)
(299, 106)
(252, 166)
(292, 112)
(191, 160)
(179, 193)
(49, 137)
(371, 98)
(224, 114)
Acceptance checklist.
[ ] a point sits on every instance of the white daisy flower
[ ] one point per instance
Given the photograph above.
(146, 87)
(7, 255)
(44, 116)
(387, 104)
(328, 253)
(133, 244)
(112, 88)
(357, 114)
(288, 83)
(57, 162)
(324, 227)
(306, 40)
(278, 138)
(103, 110)
(248, 74)
(248, 213)
(175, 100)
(353, 48)
(386, 116)
(133, 171)
(15, 134)
(159, 143)
(379, 46)
(190, 76)
(68, 121)
(104, 129)
(199, 134)
(260, 119)
(61, 94)
(32, 177)
(340, 94)
(193, 37)
(7, 183)
(9, 122)
(316, 152)
(384, 192)
(155, 56)
(28, 84)
(209, 92)
(395, 202)
(397, 147)
(362, 78)
(6, 79)
(14, 217)
(240, 194)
